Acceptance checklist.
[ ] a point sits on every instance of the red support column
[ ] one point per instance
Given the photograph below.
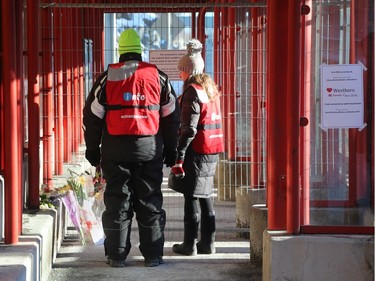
(81, 90)
(59, 92)
(2, 123)
(75, 65)
(67, 84)
(20, 105)
(305, 58)
(293, 117)
(81, 77)
(216, 46)
(100, 24)
(224, 90)
(81, 103)
(48, 112)
(231, 79)
(228, 90)
(33, 103)
(277, 22)
(11, 128)
(193, 25)
(201, 28)
(255, 95)
(362, 142)
(97, 31)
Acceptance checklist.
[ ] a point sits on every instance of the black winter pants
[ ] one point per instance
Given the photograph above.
(133, 187)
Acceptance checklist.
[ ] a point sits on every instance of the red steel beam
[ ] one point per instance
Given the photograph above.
(201, 28)
(20, 105)
(277, 23)
(255, 95)
(293, 117)
(48, 112)
(75, 105)
(305, 107)
(231, 79)
(228, 90)
(59, 91)
(33, 103)
(67, 84)
(11, 128)
(361, 180)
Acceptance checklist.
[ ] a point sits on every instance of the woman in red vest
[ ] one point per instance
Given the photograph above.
(199, 144)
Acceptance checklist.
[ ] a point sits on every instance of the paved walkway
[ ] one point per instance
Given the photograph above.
(231, 262)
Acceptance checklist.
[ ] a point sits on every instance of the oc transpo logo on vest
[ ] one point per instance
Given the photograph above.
(130, 96)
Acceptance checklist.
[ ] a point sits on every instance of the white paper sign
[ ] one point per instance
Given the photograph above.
(341, 96)
(167, 61)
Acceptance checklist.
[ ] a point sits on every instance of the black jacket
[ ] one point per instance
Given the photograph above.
(130, 148)
(199, 168)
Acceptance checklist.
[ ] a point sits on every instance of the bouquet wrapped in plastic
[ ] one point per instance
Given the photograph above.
(85, 205)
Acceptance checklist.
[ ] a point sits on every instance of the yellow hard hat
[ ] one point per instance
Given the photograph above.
(129, 42)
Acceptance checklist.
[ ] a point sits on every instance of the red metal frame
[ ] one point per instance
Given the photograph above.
(293, 118)
(283, 107)
(59, 92)
(20, 106)
(33, 104)
(358, 179)
(12, 130)
(277, 21)
(257, 104)
(75, 71)
(67, 84)
(227, 70)
(337, 229)
(305, 58)
(255, 147)
(359, 140)
(48, 106)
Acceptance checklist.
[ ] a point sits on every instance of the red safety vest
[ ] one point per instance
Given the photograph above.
(209, 137)
(133, 99)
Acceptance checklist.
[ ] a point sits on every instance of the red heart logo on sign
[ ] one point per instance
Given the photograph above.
(329, 90)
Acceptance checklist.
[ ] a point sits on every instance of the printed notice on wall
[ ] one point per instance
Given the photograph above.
(342, 96)
(167, 61)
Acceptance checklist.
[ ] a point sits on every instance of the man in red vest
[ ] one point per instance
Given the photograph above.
(131, 122)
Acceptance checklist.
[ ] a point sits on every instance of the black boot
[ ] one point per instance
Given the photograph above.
(208, 228)
(189, 246)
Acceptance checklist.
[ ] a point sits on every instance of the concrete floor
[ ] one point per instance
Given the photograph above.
(88, 263)
(231, 262)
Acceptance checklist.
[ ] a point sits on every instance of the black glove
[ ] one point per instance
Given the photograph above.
(93, 156)
(170, 157)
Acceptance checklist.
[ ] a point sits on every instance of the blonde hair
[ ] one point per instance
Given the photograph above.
(206, 82)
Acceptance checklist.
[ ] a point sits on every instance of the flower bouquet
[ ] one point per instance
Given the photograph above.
(83, 198)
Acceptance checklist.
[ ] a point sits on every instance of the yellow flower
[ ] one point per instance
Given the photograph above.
(81, 180)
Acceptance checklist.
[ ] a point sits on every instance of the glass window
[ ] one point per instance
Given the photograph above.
(340, 183)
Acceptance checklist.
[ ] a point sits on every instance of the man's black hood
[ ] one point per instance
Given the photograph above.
(130, 56)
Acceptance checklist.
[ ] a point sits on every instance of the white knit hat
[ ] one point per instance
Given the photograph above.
(192, 63)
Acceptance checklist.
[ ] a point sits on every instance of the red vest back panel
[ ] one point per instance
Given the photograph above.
(133, 99)
(209, 137)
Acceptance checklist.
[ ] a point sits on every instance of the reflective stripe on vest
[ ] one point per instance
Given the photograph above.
(209, 137)
(133, 99)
